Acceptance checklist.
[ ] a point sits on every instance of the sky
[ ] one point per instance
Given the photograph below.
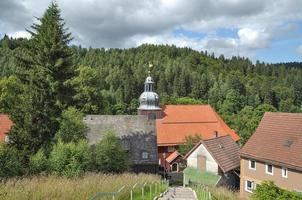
(265, 30)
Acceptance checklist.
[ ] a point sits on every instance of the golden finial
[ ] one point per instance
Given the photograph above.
(150, 68)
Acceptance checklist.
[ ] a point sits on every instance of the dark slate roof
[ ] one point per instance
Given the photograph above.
(122, 125)
(224, 150)
(277, 140)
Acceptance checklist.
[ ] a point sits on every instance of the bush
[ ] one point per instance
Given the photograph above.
(38, 162)
(70, 159)
(110, 157)
(10, 164)
(269, 191)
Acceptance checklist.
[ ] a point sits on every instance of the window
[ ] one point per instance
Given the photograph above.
(252, 164)
(249, 186)
(284, 172)
(145, 155)
(269, 169)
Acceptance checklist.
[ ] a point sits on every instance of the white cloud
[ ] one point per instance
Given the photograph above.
(127, 23)
(253, 38)
(19, 34)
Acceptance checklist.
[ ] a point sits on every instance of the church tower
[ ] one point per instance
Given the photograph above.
(149, 101)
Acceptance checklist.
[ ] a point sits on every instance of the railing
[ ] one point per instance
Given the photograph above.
(107, 194)
(203, 193)
(146, 191)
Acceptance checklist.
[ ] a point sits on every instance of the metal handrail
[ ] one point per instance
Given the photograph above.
(132, 188)
(106, 194)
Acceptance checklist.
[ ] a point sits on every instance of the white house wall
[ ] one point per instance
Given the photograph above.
(211, 164)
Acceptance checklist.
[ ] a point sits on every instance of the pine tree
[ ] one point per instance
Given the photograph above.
(48, 67)
(51, 56)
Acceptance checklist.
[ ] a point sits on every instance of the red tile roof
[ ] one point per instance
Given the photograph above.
(224, 150)
(180, 121)
(173, 156)
(277, 140)
(5, 125)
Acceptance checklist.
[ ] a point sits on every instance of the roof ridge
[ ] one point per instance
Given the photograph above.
(227, 135)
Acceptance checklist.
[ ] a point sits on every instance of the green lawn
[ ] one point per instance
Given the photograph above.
(196, 176)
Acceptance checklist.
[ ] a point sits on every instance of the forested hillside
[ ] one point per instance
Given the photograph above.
(109, 81)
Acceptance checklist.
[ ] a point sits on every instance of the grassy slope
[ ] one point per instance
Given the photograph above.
(53, 187)
(198, 177)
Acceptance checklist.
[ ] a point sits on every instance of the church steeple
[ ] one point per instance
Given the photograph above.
(149, 100)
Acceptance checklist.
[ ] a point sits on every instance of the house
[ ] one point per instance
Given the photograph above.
(5, 126)
(136, 132)
(219, 155)
(179, 121)
(274, 152)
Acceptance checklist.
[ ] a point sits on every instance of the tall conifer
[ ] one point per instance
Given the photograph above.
(48, 67)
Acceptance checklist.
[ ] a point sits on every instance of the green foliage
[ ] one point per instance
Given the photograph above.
(50, 56)
(72, 127)
(88, 96)
(11, 90)
(70, 159)
(269, 191)
(189, 143)
(187, 101)
(46, 66)
(10, 164)
(38, 162)
(110, 157)
(248, 119)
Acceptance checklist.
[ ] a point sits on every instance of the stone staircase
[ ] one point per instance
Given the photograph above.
(179, 193)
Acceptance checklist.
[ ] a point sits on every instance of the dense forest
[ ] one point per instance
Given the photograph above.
(109, 81)
(45, 76)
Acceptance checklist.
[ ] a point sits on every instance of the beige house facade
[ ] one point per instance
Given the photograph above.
(253, 172)
(273, 153)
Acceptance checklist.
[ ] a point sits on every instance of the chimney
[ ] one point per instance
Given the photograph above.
(216, 134)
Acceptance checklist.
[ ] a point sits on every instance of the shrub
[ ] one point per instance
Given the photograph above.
(70, 159)
(38, 162)
(189, 143)
(269, 191)
(110, 155)
(10, 164)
